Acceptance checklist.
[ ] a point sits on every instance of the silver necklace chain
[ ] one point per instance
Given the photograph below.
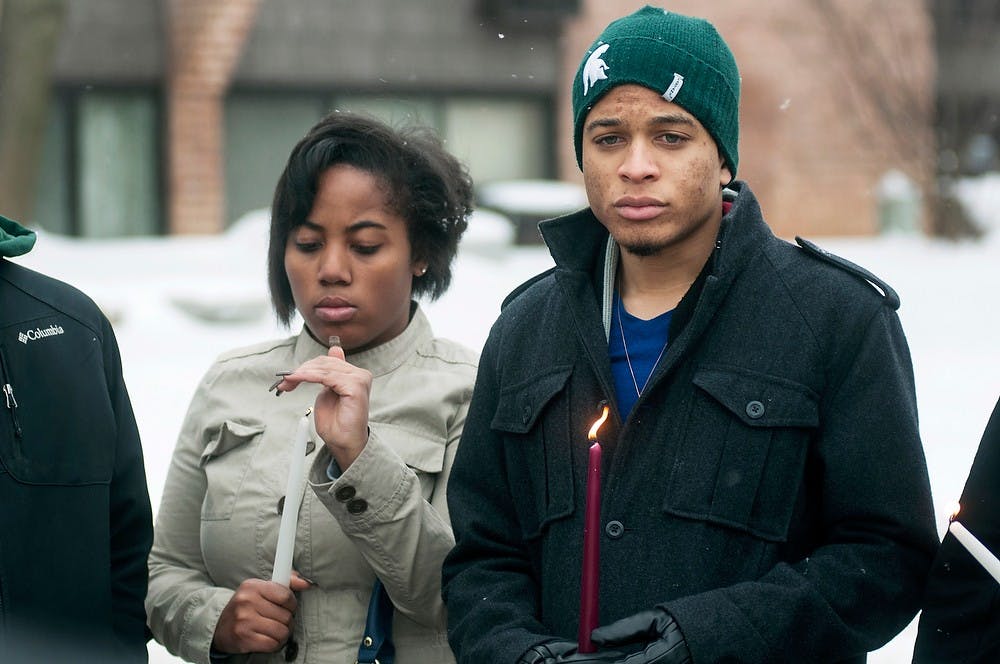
(628, 360)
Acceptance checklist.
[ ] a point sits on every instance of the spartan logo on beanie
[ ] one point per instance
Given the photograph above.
(594, 68)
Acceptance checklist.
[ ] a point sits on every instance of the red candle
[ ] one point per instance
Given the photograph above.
(590, 583)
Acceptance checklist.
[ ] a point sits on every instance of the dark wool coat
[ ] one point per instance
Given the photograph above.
(75, 520)
(960, 621)
(769, 488)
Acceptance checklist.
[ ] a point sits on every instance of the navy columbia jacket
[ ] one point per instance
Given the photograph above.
(75, 519)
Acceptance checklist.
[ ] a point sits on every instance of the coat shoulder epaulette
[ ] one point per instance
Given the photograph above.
(890, 296)
(525, 286)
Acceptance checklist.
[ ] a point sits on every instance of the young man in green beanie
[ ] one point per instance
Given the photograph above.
(75, 521)
(764, 495)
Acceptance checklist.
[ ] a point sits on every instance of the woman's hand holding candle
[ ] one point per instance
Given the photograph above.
(341, 410)
(258, 617)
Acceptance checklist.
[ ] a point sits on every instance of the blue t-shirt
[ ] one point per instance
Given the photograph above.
(646, 341)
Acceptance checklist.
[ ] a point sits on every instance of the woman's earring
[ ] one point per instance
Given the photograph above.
(422, 271)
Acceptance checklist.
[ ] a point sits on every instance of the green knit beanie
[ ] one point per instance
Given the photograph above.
(15, 239)
(682, 58)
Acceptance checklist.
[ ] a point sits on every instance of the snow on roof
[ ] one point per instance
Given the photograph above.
(545, 198)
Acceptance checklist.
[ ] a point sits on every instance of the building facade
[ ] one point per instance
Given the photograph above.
(176, 116)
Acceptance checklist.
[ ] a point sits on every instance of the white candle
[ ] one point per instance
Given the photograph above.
(978, 550)
(290, 512)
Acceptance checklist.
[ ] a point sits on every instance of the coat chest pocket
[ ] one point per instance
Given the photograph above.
(225, 461)
(54, 430)
(742, 454)
(533, 418)
(423, 453)
(419, 451)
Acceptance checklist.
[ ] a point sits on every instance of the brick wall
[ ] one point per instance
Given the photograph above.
(205, 40)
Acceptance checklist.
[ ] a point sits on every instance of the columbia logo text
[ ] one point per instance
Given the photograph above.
(39, 333)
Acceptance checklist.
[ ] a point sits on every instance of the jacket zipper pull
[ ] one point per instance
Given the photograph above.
(8, 393)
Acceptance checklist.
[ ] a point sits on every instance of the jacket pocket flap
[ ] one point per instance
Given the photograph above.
(231, 435)
(417, 450)
(759, 400)
(520, 404)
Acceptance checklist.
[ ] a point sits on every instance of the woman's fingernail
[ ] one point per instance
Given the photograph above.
(275, 384)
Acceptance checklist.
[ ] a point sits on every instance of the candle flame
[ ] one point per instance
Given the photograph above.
(597, 425)
(955, 509)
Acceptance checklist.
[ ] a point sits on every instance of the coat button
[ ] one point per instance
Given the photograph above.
(281, 505)
(357, 506)
(310, 447)
(614, 529)
(755, 410)
(345, 493)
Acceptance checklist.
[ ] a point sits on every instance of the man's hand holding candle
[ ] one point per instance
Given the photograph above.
(564, 652)
(654, 630)
(654, 627)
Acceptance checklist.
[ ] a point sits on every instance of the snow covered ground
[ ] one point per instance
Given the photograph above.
(178, 302)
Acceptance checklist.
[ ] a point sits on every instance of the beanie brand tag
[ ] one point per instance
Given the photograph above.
(674, 88)
(594, 68)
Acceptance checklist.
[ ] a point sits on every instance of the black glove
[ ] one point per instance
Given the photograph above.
(546, 653)
(564, 652)
(655, 627)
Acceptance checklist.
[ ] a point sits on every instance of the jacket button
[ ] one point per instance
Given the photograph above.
(755, 410)
(614, 529)
(281, 505)
(357, 506)
(310, 447)
(345, 493)
(291, 650)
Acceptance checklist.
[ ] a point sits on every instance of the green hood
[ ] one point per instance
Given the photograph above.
(15, 239)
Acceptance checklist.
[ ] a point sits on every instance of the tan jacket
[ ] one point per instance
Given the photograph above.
(218, 518)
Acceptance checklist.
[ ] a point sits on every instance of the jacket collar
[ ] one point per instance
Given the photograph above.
(578, 241)
(574, 239)
(586, 261)
(381, 359)
(742, 234)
